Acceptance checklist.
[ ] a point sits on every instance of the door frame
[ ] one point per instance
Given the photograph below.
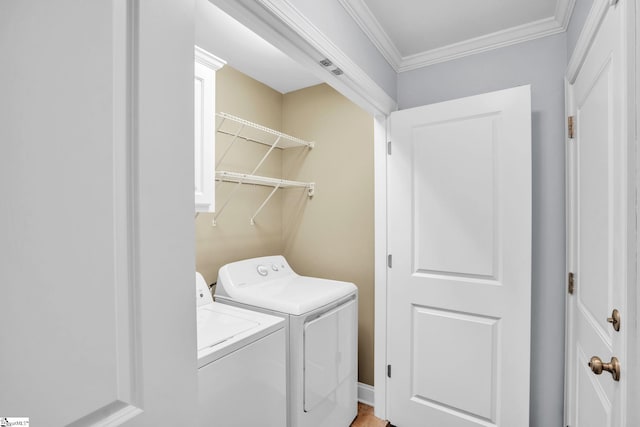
(632, 47)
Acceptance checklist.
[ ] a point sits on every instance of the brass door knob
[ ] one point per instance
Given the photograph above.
(614, 319)
(597, 366)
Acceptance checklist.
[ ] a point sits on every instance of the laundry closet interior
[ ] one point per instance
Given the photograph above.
(323, 225)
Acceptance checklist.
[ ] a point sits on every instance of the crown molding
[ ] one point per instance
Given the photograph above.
(508, 37)
(564, 9)
(208, 59)
(365, 19)
(363, 16)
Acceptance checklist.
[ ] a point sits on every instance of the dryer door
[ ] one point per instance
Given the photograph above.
(330, 355)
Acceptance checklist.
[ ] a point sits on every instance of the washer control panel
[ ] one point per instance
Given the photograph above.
(263, 269)
(254, 271)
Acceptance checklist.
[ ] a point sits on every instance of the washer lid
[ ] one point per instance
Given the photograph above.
(223, 329)
(215, 327)
(292, 295)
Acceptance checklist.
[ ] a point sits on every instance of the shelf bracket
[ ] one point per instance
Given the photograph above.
(266, 155)
(226, 202)
(235, 138)
(251, 221)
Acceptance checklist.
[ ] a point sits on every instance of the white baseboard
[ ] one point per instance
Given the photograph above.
(365, 394)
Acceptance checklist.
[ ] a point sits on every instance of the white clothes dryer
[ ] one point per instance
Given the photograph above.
(242, 376)
(321, 319)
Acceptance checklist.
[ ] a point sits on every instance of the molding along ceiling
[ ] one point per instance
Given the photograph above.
(390, 47)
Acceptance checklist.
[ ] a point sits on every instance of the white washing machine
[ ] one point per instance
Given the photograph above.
(322, 334)
(242, 375)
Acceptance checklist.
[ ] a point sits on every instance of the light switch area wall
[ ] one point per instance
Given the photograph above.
(332, 235)
(234, 238)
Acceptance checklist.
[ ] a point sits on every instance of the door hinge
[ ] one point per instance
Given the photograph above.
(389, 147)
(389, 371)
(389, 260)
(571, 283)
(571, 126)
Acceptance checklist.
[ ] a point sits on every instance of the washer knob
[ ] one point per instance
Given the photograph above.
(262, 270)
(274, 267)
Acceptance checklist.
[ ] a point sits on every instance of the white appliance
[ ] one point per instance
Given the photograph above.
(242, 375)
(322, 327)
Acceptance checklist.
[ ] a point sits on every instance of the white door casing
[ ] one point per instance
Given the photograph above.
(204, 113)
(98, 312)
(599, 230)
(459, 286)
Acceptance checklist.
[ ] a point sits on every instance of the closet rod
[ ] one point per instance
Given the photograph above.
(235, 137)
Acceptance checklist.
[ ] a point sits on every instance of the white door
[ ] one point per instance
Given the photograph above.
(598, 232)
(459, 288)
(97, 309)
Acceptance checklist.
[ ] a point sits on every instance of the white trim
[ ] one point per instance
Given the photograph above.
(365, 394)
(125, 44)
(569, 207)
(633, 352)
(363, 16)
(208, 59)
(508, 37)
(564, 9)
(380, 138)
(282, 25)
(589, 30)
(633, 291)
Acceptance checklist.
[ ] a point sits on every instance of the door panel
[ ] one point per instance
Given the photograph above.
(450, 237)
(598, 242)
(456, 336)
(459, 286)
(594, 193)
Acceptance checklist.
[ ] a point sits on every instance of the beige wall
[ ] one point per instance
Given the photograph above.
(233, 238)
(330, 235)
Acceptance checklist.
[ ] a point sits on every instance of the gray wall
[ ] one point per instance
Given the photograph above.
(540, 63)
(580, 11)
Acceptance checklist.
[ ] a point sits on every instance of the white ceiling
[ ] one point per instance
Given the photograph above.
(226, 38)
(415, 33)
